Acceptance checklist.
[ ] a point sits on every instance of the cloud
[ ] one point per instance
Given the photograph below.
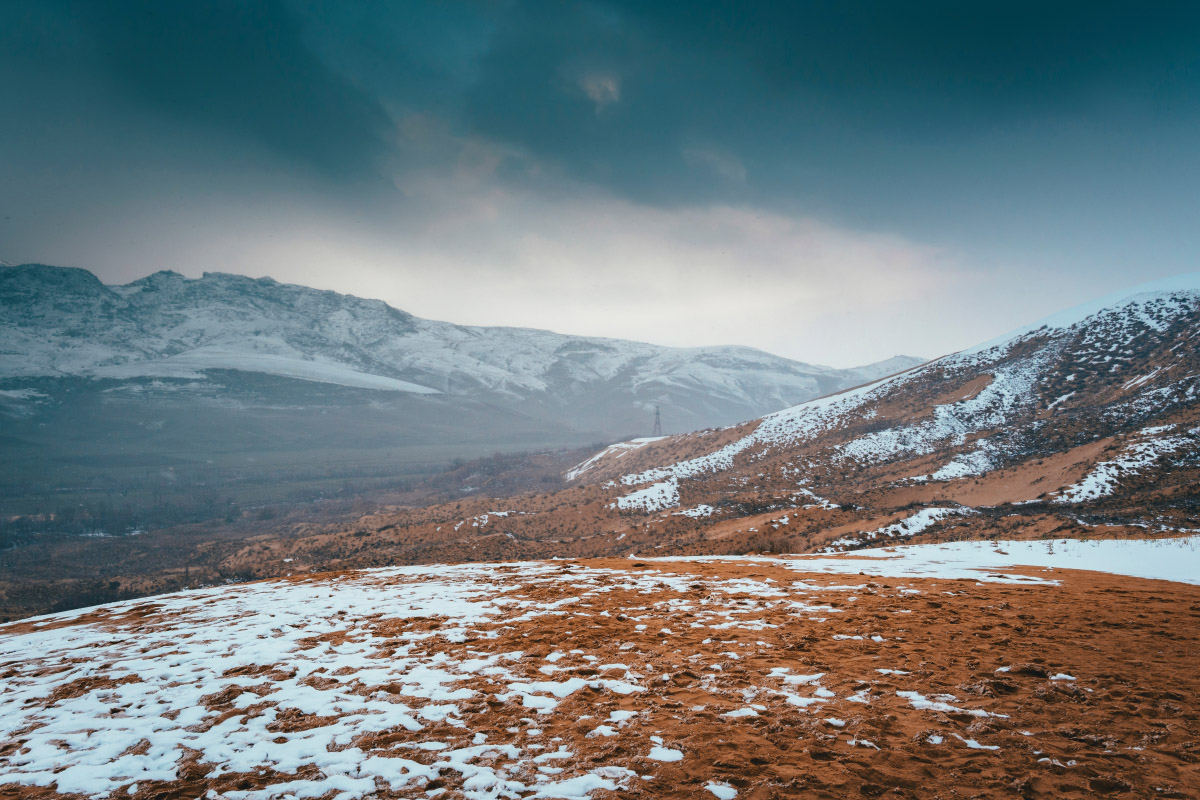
(802, 177)
(602, 89)
(233, 70)
(482, 251)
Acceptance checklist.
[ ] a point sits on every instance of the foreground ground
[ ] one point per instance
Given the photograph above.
(933, 672)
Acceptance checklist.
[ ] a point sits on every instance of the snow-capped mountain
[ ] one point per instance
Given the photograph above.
(65, 322)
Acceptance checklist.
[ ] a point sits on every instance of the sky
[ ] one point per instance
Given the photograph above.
(836, 182)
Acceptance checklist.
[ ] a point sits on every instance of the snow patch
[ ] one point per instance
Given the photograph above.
(654, 497)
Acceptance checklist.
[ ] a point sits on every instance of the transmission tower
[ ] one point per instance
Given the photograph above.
(657, 423)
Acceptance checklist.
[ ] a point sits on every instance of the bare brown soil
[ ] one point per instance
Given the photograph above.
(1128, 725)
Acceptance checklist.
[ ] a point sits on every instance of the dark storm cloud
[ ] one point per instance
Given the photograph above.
(976, 58)
(242, 67)
(829, 100)
(667, 102)
(230, 68)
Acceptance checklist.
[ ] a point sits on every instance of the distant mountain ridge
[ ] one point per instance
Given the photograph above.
(61, 321)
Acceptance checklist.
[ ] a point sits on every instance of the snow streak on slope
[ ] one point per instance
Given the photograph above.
(654, 497)
(614, 450)
(1133, 459)
(789, 426)
(905, 528)
(1010, 388)
(982, 459)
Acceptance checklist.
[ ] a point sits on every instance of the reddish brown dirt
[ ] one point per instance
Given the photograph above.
(1127, 726)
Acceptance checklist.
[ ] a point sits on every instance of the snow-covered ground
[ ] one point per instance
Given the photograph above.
(229, 638)
(1172, 559)
(378, 678)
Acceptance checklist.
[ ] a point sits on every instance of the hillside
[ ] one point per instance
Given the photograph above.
(1089, 416)
(1082, 425)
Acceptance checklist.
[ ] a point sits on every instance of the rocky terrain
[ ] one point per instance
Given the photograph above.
(924, 671)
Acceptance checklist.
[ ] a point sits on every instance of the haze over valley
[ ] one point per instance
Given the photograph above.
(168, 400)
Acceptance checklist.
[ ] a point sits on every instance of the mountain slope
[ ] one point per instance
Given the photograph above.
(65, 322)
(1101, 370)
(1086, 424)
(1091, 411)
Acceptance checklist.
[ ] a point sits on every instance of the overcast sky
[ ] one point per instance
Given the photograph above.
(836, 182)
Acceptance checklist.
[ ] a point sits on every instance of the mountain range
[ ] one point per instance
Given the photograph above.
(1083, 425)
(172, 400)
(65, 322)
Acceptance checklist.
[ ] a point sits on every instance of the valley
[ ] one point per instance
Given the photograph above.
(172, 402)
